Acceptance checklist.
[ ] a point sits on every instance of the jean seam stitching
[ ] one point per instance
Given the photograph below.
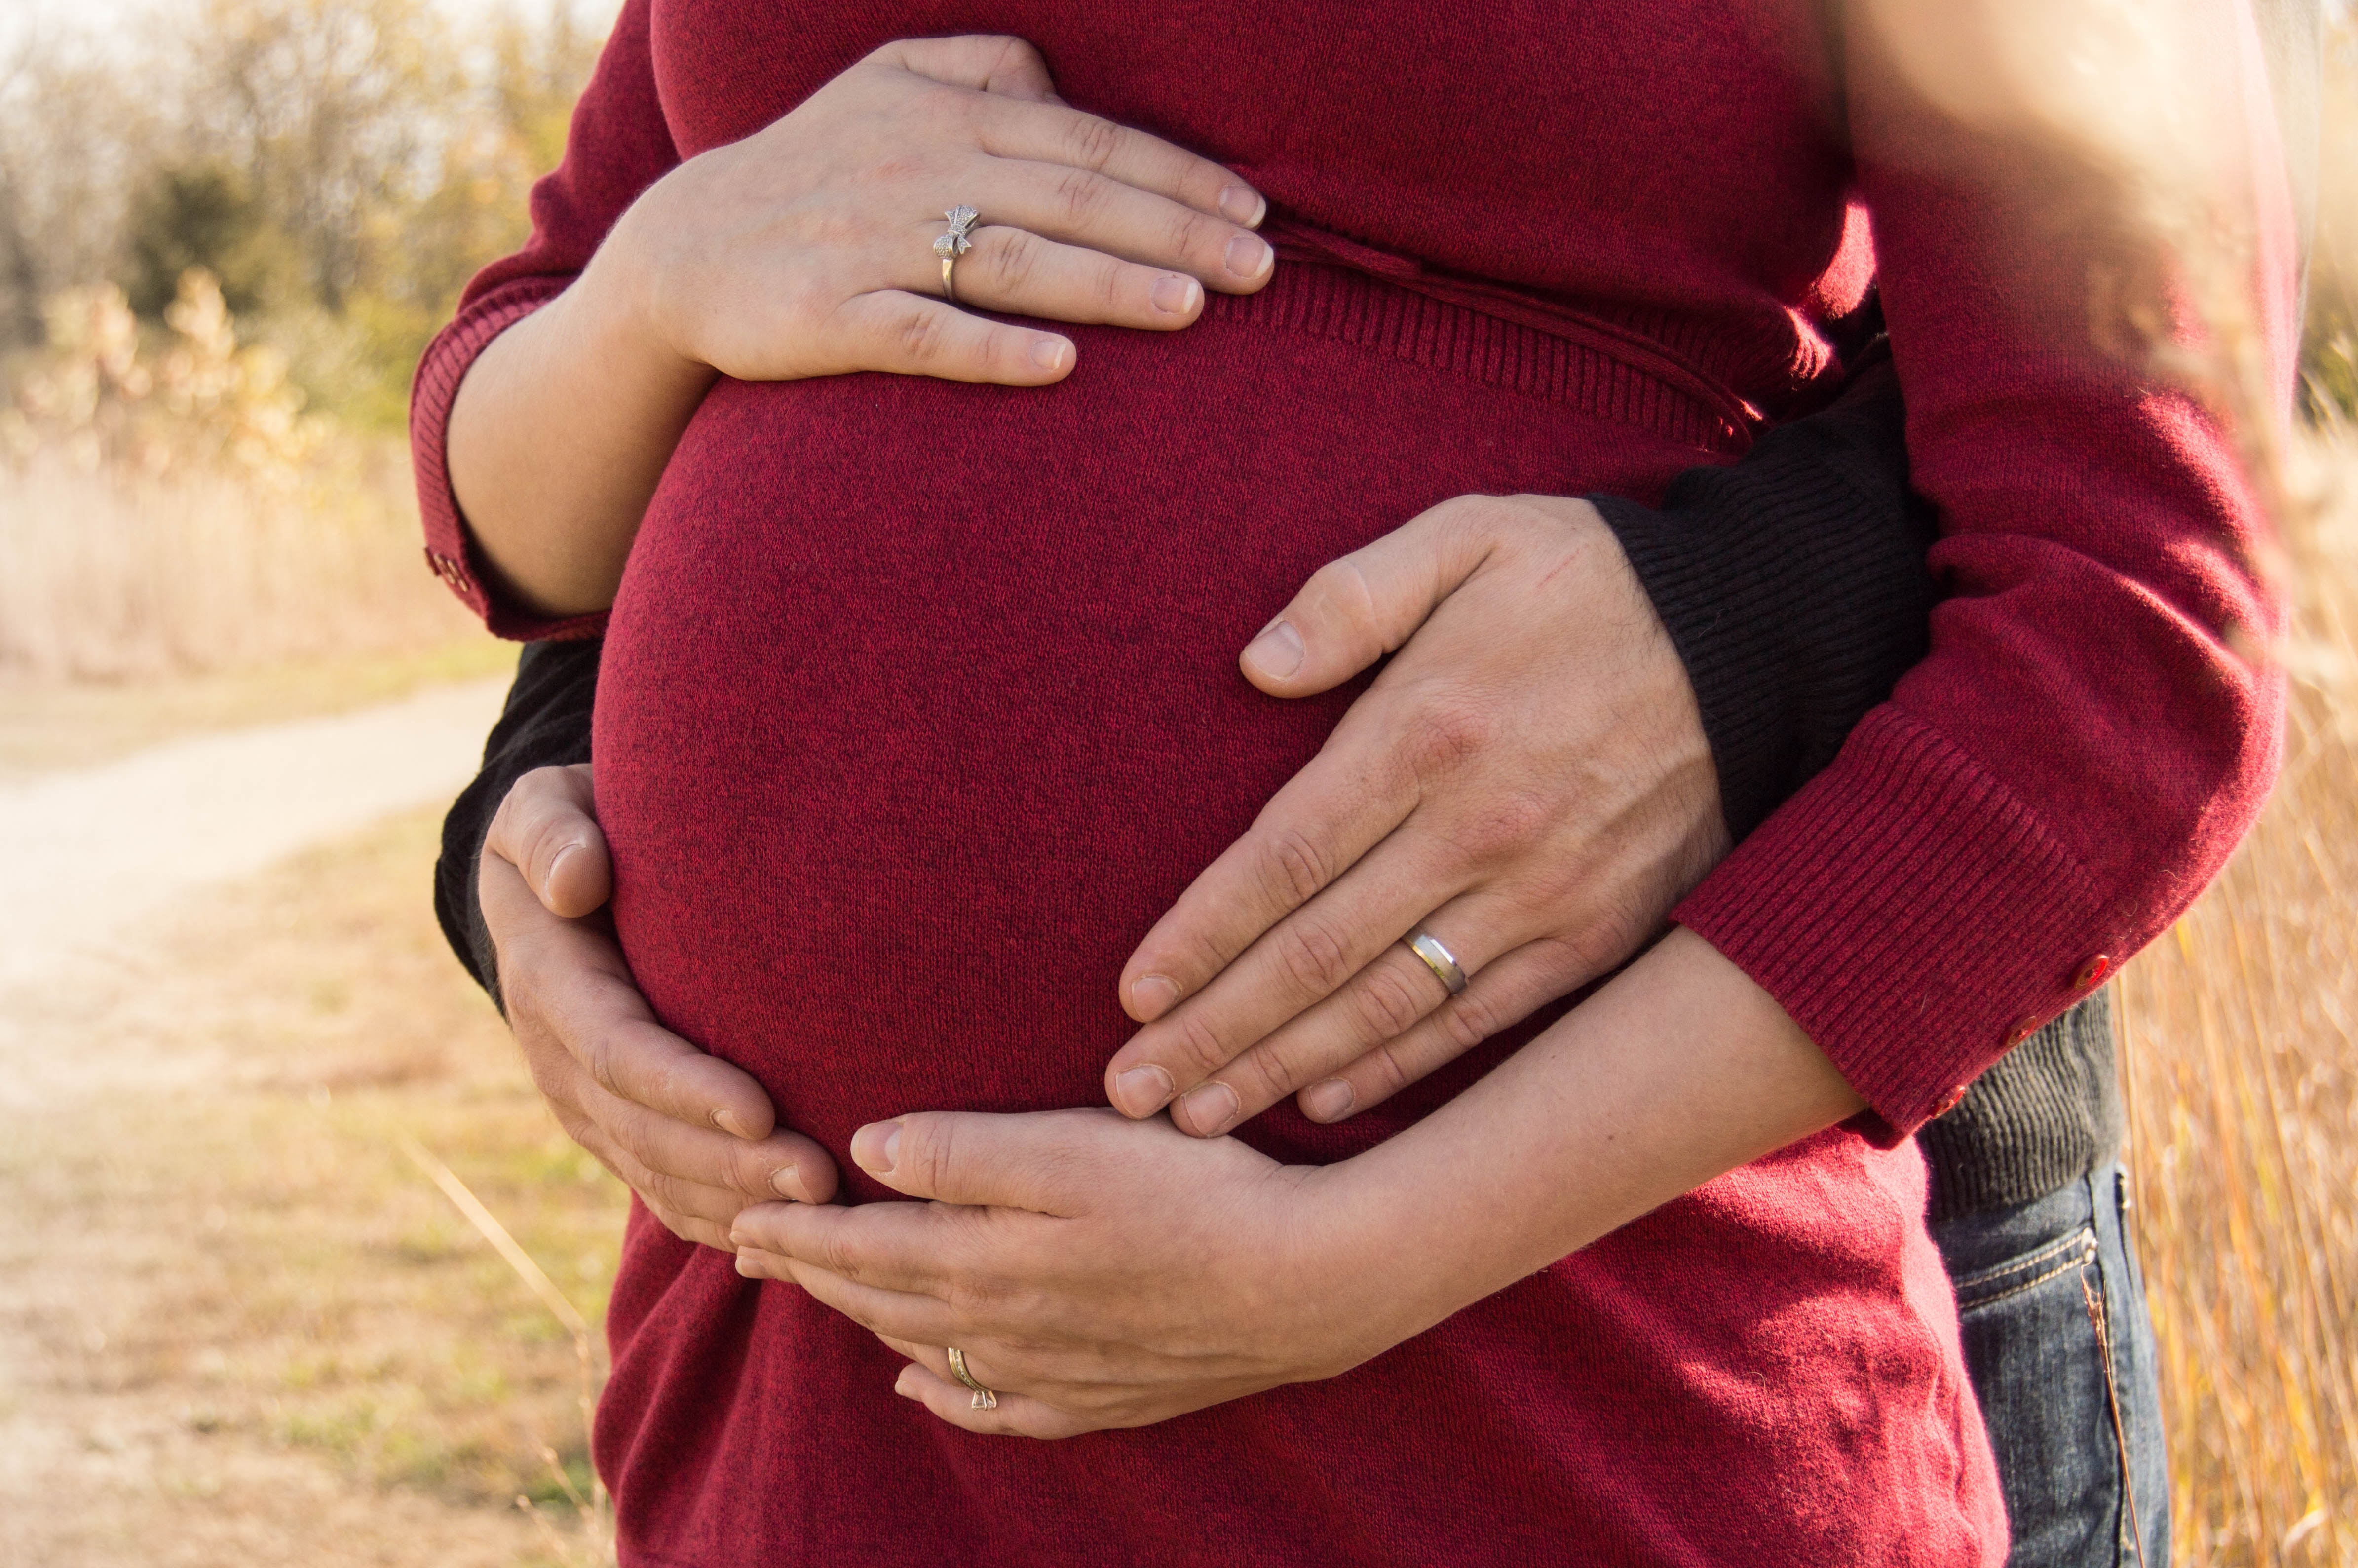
(2085, 1255)
(2076, 1241)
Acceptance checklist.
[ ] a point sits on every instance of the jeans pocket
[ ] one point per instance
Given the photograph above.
(2064, 1254)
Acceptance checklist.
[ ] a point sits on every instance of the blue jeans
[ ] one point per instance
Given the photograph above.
(2033, 1355)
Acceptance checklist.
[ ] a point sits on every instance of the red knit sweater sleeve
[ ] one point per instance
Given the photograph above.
(619, 144)
(2096, 725)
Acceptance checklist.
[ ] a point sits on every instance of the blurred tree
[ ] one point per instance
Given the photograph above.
(205, 215)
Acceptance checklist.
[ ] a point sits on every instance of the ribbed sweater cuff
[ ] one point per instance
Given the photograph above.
(451, 553)
(1910, 911)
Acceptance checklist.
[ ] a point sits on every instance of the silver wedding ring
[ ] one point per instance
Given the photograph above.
(954, 245)
(1438, 958)
(984, 1399)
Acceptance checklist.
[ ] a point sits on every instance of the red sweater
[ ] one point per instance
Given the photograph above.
(921, 704)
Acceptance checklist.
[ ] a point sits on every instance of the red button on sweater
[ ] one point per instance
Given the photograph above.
(913, 687)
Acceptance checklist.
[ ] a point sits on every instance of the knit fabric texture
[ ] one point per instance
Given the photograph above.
(912, 686)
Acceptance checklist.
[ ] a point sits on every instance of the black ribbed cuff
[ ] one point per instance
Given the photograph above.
(1793, 585)
(2048, 1112)
(545, 724)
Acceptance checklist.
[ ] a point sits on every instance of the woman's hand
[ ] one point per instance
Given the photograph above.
(1528, 780)
(806, 249)
(696, 1138)
(1101, 1272)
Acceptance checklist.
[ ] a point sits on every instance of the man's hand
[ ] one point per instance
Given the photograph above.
(1527, 781)
(693, 1136)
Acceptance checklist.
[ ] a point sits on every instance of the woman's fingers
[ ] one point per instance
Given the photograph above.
(909, 335)
(1053, 134)
(902, 1314)
(1017, 1415)
(1387, 999)
(987, 62)
(1502, 995)
(1013, 270)
(1085, 209)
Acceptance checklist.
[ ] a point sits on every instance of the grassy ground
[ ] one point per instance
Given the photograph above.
(236, 1325)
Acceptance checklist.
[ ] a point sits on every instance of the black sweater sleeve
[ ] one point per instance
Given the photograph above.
(545, 724)
(1792, 584)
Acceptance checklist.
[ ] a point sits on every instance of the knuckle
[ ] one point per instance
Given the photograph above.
(838, 1256)
(1391, 1077)
(1505, 824)
(921, 335)
(1295, 867)
(1015, 262)
(1312, 955)
(1385, 1004)
(1091, 142)
(1470, 1018)
(1200, 1047)
(1081, 194)
(1442, 740)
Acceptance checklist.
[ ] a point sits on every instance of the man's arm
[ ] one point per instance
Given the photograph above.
(545, 724)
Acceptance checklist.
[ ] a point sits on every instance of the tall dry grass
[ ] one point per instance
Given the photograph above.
(165, 505)
(2242, 1061)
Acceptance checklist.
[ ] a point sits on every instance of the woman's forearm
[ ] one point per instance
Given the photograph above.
(560, 432)
(1680, 1070)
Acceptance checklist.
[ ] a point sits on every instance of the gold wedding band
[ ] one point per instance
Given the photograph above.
(984, 1400)
(954, 245)
(1438, 958)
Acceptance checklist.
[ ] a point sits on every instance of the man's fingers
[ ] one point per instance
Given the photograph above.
(1354, 609)
(1300, 962)
(1313, 830)
(1502, 995)
(907, 334)
(547, 828)
(783, 1165)
(1386, 999)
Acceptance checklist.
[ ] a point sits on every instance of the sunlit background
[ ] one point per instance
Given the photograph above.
(292, 1262)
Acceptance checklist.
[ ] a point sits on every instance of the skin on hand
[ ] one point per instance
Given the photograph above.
(807, 250)
(1102, 1272)
(1528, 780)
(696, 1138)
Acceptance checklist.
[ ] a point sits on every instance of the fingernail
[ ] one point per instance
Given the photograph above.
(901, 1385)
(1278, 652)
(1329, 1100)
(1242, 204)
(788, 1183)
(1142, 1091)
(876, 1146)
(1153, 996)
(1174, 295)
(558, 863)
(1210, 1108)
(1048, 353)
(745, 1267)
(1248, 256)
(730, 1124)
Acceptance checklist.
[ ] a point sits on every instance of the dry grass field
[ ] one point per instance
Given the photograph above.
(2242, 1067)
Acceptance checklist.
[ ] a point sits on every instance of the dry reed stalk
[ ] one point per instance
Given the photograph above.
(593, 1514)
(2241, 1057)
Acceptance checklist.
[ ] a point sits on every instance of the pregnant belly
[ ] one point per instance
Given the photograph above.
(920, 700)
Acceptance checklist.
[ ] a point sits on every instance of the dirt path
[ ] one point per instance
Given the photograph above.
(237, 1327)
(86, 854)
